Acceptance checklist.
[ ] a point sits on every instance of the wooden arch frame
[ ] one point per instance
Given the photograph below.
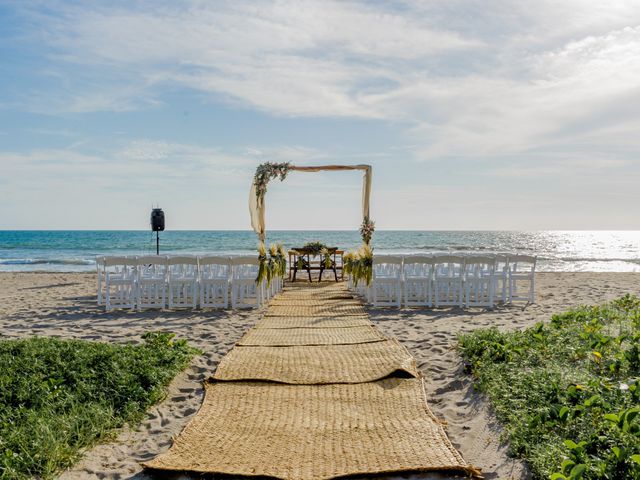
(257, 205)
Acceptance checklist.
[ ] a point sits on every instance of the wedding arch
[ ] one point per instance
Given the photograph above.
(270, 171)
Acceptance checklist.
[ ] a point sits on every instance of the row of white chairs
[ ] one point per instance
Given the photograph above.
(450, 280)
(157, 281)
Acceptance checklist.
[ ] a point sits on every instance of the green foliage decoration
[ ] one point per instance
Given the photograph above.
(358, 265)
(266, 172)
(272, 262)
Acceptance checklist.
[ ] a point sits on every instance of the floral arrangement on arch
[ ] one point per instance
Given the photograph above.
(273, 265)
(366, 230)
(269, 171)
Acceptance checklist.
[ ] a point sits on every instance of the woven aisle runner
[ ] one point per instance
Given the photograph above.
(314, 392)
(319, 364)
(287, 337)
(314, 322)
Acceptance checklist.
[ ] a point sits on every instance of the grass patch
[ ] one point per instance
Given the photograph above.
(567, 391)
(59, 397)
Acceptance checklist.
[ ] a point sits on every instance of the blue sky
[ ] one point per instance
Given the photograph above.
(474, 114)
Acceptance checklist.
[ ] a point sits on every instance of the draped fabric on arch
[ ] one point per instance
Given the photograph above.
(257, 206)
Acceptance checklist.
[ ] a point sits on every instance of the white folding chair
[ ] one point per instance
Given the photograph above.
(245, 292)
(120, 282)
(215, 277)
(386, 284)
(101, 279)
(182, 274)
(478, 281)
(522, 272)
(417, 271)
(152, 281)
(501, 277)
(447, 280)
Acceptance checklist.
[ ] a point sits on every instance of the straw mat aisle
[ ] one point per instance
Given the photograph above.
(314, 391)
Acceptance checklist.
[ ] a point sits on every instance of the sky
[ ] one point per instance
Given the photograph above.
(496, 114)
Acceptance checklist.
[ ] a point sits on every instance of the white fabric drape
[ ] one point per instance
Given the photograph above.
(257, 206)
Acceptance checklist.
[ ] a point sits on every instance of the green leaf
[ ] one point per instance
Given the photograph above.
(577, 471)
(570, 444)
(567, 465)
(616, 451)
(612, 417)
(635, 458)
(592, 401)
(631, 414)
(558, 476)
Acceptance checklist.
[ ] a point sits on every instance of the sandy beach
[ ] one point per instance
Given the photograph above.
(63, 305)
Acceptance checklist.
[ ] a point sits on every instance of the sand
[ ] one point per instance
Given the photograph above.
(63, 305)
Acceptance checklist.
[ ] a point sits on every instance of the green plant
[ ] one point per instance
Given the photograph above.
(314, 248)
(60, 397)
(567, 391)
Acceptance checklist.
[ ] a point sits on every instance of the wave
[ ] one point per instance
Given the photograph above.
(590, 259)
(43, 261)
(446, 247)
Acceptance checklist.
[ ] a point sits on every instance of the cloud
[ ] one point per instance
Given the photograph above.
(466, 77)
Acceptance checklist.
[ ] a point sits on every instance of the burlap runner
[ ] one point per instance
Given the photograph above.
(313, 302)
(303, 432)
(330, 400)
(313, 322)
(310, 365)
(314, 311)
(273, 337)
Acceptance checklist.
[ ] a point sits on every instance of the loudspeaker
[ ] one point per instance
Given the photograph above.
(157, 220)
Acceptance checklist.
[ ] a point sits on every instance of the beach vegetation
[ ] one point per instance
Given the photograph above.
(567, 391)
(60, 397)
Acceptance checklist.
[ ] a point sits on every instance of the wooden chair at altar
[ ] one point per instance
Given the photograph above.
(301, 259)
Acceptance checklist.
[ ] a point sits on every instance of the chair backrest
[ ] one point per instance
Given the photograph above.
(152, 260)
(479, 265)
(215, 267)
(417, 265)
(390, 259)
(522, 263)
(120, 261)
(244, 267)
(182, 260)
(118, 267)
(388, 266)
(214, 260)
(152, 267)
(184, 267)
(448, 265)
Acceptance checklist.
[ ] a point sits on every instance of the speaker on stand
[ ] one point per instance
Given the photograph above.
(157, 225)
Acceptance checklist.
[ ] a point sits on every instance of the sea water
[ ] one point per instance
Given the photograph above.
(572, 251)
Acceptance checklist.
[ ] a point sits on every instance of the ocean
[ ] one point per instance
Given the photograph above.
(572, 251)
